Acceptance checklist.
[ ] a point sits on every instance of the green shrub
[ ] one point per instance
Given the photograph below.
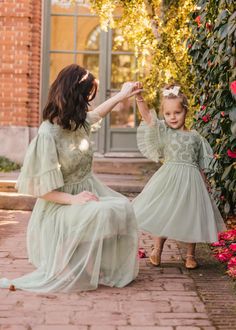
(213, 51)
(6, 165)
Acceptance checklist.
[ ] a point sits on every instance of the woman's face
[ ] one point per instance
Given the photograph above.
(174, 114)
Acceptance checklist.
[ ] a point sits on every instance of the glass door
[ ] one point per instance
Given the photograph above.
(71, 34)
(122, 123)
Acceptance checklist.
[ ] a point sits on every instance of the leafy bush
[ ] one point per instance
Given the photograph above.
(6, 165)
(157, 31)
(213, 51)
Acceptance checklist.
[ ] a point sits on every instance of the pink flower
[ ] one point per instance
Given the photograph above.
(209, 26)
(228, 235)
(233, 248)
(224, 256)
(203, 107)
(222, 113)
(198, 20)
(232, 262)
(141, 253)
(218, 244)
(232, 272)
(231, 154)
(206, 118)
(233, 87)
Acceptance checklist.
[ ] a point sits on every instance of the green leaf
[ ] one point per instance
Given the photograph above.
(232, 114)
(226, 172)
(227, 208)
(232, 185)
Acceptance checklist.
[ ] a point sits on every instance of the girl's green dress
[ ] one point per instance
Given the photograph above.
(175, 202)
(74, 247)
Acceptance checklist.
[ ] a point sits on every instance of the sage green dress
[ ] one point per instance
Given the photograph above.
(175, 202)
(74, 247)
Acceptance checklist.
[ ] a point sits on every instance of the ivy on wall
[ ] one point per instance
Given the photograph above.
(158, 32)
(212, 48)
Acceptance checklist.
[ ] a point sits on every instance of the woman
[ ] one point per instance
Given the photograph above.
(81, 233)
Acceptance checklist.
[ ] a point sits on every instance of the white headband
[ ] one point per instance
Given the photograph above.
(174, 90)
(84, 77)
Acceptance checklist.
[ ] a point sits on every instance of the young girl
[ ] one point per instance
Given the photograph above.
(175, 202)
(81, 233)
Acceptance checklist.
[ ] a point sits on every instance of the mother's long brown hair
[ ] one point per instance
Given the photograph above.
(69, 97)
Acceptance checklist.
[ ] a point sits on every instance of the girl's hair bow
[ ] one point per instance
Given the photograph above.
(174, 91)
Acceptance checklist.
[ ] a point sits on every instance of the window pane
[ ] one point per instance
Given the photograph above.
(62, 36)
(89, 62)
(57, 7)
(58, 62)
(118, 43)
(84, 9)
(123, 114)
(88, 33)
(122, 70)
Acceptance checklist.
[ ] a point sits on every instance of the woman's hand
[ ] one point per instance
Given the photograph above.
(83, 198)
(129, 89)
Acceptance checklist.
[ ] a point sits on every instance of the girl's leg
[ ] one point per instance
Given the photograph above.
(191, 262)
(155, 257)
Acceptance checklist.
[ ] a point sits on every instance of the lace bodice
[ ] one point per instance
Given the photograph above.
(182, 147)
(74, 151)
(160, 142)
(56, 157)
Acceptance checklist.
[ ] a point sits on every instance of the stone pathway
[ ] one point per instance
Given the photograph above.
(169, 298)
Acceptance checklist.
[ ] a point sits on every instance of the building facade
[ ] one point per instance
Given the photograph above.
(38, 39)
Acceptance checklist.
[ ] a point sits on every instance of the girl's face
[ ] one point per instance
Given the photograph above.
(174, 114)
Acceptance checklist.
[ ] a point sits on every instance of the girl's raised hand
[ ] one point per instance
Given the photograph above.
(83, 197)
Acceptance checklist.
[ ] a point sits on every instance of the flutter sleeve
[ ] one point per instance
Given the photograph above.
(40, 172)
(151, 138)
(205, 155)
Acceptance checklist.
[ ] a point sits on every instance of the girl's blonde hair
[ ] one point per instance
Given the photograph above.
(175, 95)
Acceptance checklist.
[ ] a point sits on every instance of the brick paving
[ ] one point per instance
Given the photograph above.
(169, 297)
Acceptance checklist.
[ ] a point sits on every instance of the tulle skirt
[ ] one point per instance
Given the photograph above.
(78, 247)
(175, 203)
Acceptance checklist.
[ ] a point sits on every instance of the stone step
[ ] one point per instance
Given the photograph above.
(121, 183)
(128, 185)
(7, 185)
(15, 201)
(103, 165)
(133, 166)
(127, 176)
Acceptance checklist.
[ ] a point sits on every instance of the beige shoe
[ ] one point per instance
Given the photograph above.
(190, 262)
(155, 257)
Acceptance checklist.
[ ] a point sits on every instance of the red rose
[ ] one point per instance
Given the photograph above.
(189, 46)
(198, 20)
(203, 107)
(209, 26)
(231, 154)
(141, 253)
(206, 118)
(209, 63)
(222, 113)
(233, 87)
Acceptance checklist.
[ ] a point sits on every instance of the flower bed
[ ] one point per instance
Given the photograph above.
(225, 250)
